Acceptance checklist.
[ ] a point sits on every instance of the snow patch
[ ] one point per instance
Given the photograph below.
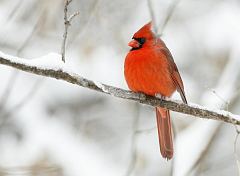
(101, 86)
(49, 61)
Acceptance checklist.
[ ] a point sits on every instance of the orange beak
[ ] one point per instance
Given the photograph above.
(134, 44)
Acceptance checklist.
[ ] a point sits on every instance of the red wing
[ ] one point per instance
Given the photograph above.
(175, 74)
(179, 84)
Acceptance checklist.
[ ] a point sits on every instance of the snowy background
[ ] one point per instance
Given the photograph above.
(49, 127)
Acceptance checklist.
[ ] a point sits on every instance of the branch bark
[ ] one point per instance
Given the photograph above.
(64, 74)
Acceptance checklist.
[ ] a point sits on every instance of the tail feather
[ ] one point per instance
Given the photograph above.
(164, 132)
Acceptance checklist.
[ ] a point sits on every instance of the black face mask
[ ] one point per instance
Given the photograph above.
(141, 41)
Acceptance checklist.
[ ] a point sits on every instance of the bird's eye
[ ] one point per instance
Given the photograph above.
(141, 40)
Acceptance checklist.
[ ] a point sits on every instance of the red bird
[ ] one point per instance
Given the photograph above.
(149, 68)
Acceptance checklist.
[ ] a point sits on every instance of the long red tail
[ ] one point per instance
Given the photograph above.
(164, 132)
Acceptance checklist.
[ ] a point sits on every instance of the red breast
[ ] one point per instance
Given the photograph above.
(146, 67)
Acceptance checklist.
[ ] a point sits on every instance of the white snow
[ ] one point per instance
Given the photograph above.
(49, 61)
(101, 86)
(86, 133)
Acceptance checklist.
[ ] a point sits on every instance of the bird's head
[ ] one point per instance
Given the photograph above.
(142, 37)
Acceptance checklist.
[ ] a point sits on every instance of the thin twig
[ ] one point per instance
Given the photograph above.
(68, 76)
(67, 23)
(72, 16)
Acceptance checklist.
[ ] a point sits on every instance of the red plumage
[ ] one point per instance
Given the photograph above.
(149, 68)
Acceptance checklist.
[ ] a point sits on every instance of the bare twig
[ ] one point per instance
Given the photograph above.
(68, 76)
(67, 23)
(72, 16)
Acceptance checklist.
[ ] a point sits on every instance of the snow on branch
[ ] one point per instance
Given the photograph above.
(52, 66)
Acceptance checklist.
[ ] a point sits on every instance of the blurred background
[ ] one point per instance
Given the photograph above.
(52, 128)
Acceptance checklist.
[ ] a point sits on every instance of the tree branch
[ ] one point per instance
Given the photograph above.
(67, 23)
(59, 71)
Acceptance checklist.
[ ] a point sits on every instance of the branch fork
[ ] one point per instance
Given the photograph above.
(67, 23)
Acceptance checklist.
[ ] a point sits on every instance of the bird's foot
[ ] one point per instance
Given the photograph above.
(161, 97)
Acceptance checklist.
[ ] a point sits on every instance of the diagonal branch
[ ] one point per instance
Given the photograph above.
(153, 18)
(170, 12)
(59, 71)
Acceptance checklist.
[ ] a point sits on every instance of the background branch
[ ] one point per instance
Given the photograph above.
(150, 9)
(170, 11)
(67, 23)
(158, 29)
(63, 73)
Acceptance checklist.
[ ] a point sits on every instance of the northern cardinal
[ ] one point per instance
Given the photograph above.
(149, 68)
